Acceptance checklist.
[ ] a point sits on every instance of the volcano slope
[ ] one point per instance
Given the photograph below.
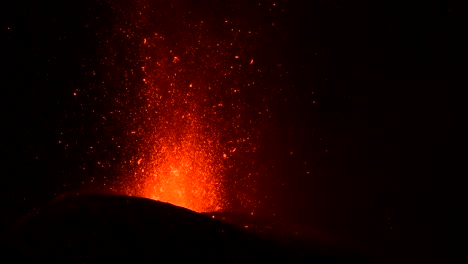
(98, 228)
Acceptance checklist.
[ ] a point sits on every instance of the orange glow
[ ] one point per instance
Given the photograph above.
(193, 113)
(183, 173)
(179, 160)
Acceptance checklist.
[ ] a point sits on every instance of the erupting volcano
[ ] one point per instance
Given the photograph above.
(194, 99)
(232, 128)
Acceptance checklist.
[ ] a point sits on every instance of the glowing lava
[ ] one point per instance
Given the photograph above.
(195, 102)
(181, 168)
(182, 164)
(184, 172)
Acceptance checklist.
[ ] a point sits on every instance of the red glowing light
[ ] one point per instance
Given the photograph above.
(184, 173)
(195, 116)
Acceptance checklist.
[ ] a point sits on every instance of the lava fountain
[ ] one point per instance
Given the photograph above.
(182, 165)
(199, 103)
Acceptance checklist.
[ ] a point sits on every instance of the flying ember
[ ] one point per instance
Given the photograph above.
(196, 104)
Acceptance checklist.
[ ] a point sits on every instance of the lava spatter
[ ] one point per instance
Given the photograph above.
(196, 103)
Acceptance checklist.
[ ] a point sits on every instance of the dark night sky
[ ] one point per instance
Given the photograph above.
(377, 130)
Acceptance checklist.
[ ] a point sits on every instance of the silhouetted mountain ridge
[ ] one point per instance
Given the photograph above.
(92, 228)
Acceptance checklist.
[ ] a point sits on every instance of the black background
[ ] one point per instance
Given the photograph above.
(384, 129)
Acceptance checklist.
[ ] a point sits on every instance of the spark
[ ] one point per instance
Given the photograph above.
(190, 111)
